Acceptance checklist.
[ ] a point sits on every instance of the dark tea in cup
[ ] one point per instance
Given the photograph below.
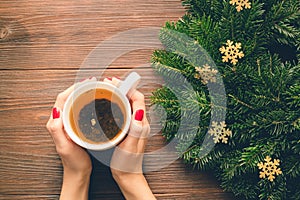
(97, 116)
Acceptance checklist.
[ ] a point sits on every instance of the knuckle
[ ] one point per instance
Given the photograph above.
(147, 127)
(48, 125)
(146, 130)
(51, 127)
(140, 96)
(62, 151)
(60, 96)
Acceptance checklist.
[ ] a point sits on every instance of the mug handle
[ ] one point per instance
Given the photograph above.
(131, 81)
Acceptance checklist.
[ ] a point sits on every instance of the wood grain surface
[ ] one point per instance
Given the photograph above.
(42, 46)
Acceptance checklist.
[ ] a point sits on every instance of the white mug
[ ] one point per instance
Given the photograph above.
(89, 90)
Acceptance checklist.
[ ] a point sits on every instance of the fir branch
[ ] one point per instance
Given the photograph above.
(292, 166)
(240, 102)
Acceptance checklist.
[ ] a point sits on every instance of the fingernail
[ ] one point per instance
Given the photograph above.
(82, 80)
(55, 113)
(109, 78)
(117, 77)
(91, 77)
(139, 114)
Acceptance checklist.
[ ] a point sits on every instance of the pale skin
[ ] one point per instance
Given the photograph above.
(76, 161)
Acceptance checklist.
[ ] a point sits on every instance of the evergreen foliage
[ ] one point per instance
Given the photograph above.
(262, 93)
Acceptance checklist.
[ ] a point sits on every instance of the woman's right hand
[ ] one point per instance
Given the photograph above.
(126, 162)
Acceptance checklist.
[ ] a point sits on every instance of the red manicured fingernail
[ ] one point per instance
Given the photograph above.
(55, 113)
(82, 80)
(139, 114)
(109, 78)
(118, 77)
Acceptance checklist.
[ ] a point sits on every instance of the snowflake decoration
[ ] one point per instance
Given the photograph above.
(231, 52)
(220, 132)
(206, 74)
(269, 168)
(240, 4)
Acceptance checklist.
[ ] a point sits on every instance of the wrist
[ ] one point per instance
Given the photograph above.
(75, 185)
(77, 172)
(77, 176)
(134, 186)
(128, 180)
(120, 175)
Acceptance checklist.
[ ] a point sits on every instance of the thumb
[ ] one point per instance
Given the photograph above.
(55, 127)
(136, 127)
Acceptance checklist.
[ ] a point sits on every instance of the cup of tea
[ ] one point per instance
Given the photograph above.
(97, 114)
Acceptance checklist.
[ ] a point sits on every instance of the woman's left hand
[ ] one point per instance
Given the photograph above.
(76, 161)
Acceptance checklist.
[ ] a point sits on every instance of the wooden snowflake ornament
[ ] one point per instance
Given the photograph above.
(231, 52)
(240, 4)
(269, 168)
(206, 74)
(219, 131)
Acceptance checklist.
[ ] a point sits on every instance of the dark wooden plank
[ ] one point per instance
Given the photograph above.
(59, 34)
(29, 197)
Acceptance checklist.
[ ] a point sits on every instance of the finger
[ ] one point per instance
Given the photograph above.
(114, 81)
(143, 137)
(130, 144)
(107, 80)
(146, 129)
(55, 128)
(137, 101)
(138, 107)
(136, 126)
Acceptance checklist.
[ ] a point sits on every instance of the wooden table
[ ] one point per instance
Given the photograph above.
(42, 46)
